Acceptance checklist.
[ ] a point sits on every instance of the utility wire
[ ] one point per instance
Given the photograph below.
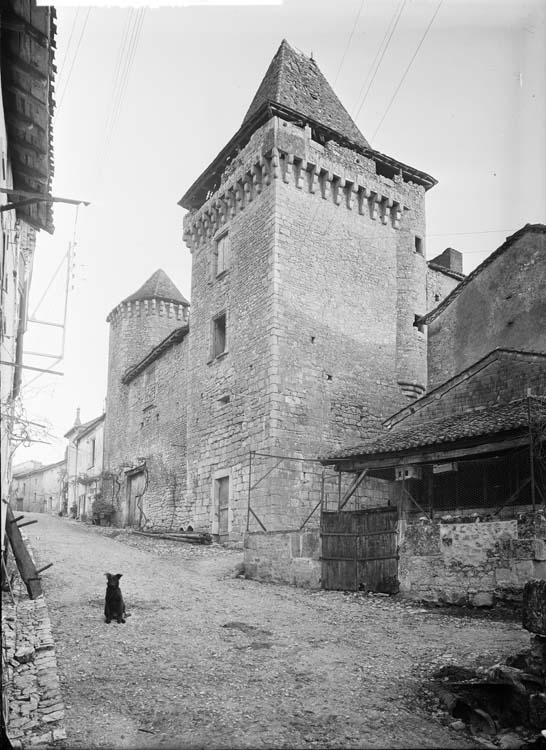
(127, 53)
(122, 51)
(485, 231)
(67, 51)
(383, 47)
(73, 61)
(349, 42)
(408, 68)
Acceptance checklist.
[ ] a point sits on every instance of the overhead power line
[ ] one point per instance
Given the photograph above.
(408, 67)
(349, 41)
(380, 54)
(65, 89)
(67, 50)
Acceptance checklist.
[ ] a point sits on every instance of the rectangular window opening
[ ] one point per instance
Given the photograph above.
(219, 335)
(222, 254)
(419, 245)
(418, 324)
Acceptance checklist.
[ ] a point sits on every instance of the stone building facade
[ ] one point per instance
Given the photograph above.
(38, 489)
(145, 426)
(308, 276)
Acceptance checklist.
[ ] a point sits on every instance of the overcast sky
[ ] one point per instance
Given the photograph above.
(147, 98)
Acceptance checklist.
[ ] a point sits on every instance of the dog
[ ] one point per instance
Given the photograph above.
(114, 606)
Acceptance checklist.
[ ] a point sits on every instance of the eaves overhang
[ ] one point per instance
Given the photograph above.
(209, 181)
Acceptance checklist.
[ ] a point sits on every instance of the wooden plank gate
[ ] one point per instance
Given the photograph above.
(359, 550)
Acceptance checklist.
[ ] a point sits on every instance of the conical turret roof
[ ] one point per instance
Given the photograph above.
(294, 80)
(159, 286)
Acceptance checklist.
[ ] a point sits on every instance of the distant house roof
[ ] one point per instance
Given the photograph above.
(36, 470)
(81, 428)
(159, 286)
(528, 228)
(294, 89)
(169, 341)
(477, 423)
(294, 80)
(89, 427)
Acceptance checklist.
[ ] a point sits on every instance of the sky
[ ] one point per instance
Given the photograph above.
(147, 97)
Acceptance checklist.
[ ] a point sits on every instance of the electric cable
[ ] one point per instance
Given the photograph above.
(349, 42)
(73, 61)
(408, 67)
(374, 69)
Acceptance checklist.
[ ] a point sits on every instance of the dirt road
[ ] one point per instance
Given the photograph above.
(208, 660)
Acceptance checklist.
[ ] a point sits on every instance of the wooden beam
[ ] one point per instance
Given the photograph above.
(21, 143)
(27, 95)
(26, 68)
(24, 561)
(22, 121)
(424, 457)
(14, 22)
(35, 174)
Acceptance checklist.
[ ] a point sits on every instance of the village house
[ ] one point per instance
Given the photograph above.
(26, 171)
(84, 465)
(38, 489)
(457, 511)
(318, 329)
(294, 339)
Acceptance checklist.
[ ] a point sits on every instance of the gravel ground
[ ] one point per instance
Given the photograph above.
(211, 660)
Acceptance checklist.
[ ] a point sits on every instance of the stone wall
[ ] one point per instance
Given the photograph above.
(481, 319)
(149, 438)
(320, 295)
(291, 557)
(471, 563)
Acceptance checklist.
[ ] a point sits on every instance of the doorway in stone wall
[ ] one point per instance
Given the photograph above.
(135, 490)
(221, 501)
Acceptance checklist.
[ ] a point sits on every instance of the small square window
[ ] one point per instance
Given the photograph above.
(219, 335)
(222, 254)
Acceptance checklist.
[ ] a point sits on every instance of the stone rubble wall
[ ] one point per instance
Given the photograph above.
(291, 557)
(474, 563)
(30, 677)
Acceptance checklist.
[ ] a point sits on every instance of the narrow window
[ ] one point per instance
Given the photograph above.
(419, 245)
(149, 384)
(219, 335)
(222, 254)
(92, 441)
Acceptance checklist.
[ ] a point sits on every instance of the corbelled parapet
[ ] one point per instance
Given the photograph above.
(136, 308)
(283, 151)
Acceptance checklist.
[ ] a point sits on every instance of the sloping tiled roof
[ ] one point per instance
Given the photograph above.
(471, 424)
(80, 428)
(174, 337)
(295, 81)
(463, 376)
(535, 228)
(158, 286)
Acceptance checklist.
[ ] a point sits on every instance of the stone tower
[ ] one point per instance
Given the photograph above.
(137, 324)
(308, 274)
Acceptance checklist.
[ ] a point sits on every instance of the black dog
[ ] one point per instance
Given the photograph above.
(114, 606)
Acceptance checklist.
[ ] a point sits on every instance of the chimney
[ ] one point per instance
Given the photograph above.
(77, 421)
(450, 259)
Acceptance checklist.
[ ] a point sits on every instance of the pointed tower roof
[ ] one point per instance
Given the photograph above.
(158, 286)
(295, 90)
(295, 81)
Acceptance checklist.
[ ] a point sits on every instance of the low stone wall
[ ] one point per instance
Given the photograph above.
(471, 561)
(283, 557)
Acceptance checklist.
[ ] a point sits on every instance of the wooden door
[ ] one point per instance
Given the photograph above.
(135, 489)
(359, 550)
(223, 508)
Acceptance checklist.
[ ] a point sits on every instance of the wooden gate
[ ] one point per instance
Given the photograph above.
(359, 550)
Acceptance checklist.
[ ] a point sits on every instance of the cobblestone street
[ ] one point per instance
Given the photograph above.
(207, 659)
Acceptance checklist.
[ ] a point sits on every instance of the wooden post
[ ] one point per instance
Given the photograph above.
(26, 566)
